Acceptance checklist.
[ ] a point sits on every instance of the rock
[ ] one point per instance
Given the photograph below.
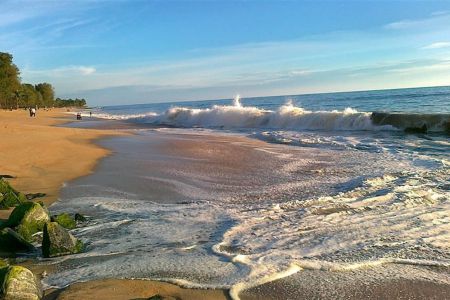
(80, 218)
(3, 263)
(19, 283)
(35, 195)
(65, 220)
(28, 218)
(11, 242)
(423, 129)
(161, 297)
(9, 196)
(57, 241)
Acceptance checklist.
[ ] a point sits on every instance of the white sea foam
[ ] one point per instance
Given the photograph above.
(235, 116)
(387, 204)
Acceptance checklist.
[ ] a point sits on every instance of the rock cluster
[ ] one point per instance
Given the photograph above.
(18, 234)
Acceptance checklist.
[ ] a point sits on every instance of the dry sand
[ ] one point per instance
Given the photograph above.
(42, 157)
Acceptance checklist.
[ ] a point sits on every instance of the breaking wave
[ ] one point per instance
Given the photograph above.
(289, 117)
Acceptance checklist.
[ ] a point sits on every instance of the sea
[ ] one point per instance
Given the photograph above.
(345, 181)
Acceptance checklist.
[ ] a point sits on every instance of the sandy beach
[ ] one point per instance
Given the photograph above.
(158, 163)
(41, 156)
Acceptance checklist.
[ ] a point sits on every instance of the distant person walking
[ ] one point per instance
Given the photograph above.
(33, 112)
(90, 114)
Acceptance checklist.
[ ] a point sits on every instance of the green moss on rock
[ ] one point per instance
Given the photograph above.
(57, 241)
(19, 283)
(3, 263)
(28, 218)
(65, 220)
(9, 196)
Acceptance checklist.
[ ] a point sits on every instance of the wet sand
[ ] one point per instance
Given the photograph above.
(119, 289)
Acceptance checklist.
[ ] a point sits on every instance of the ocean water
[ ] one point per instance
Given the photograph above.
(345, 182)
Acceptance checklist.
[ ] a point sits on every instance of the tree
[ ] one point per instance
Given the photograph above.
(29, 96)
(9, 81)
(47, 92)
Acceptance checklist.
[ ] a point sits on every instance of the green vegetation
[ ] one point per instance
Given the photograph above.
(70, 102)
(14, 94)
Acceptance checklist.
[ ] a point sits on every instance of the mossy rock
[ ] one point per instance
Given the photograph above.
(9, 199)
(3, 263)
(9, 196)
(65, 220)
(57, 241)
(28, 218)
(12, 242)
(19, 283)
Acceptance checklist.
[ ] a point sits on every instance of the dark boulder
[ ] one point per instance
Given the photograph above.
(80, 218)
(11, 242)
(57, 241)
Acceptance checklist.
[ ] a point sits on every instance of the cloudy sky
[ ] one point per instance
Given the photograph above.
(119, 52)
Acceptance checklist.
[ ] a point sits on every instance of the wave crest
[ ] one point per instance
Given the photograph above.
(289, 117)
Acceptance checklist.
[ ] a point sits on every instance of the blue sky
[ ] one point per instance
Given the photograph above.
(119, 52)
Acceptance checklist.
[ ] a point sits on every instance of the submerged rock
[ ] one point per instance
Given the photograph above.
(161, 297)
(19, 283)
(11, 242)
(28, 218)
(80, 218)
(65, 220)
(57, 241)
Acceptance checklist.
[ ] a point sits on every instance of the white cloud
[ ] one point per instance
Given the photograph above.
(85, 70)
(437, 45)
(65, 71)
(433, 20)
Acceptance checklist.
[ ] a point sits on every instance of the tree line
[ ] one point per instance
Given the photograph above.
(15, 94)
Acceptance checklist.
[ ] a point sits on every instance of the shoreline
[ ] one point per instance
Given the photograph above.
(286, 288)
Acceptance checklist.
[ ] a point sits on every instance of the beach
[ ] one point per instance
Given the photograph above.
(41, 156)
(187, 192)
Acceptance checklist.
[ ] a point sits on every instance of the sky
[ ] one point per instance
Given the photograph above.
(125, 52)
